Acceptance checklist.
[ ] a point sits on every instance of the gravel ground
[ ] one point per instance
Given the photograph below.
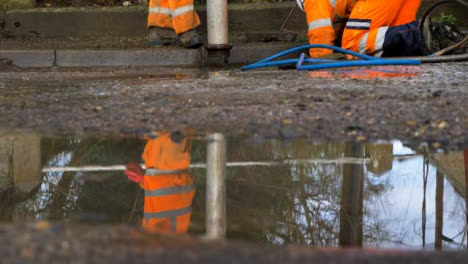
(420, 105)
(123, 244)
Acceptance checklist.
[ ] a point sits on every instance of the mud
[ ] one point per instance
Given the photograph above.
(426, 106)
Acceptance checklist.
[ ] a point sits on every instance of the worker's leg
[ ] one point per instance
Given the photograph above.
(407, 12)
(368, 23)
(159, 14)
(402, 38)
(369, 30)
(184, 16)
(319, 13)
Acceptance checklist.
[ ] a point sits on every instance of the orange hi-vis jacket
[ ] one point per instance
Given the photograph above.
(168, 194)
(179, 15)
(321, 14)
(367, 22)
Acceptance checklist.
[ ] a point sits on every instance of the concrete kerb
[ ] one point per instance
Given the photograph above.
(29, 58)
(141, 57)
(164, 57)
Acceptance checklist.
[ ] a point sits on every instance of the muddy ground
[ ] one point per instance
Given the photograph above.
(124, 244)
(426, 106)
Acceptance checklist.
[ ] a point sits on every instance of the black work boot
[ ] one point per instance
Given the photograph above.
(190, 39)
(161, 36)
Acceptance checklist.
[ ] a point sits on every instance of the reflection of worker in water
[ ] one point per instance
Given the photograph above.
(168, 184)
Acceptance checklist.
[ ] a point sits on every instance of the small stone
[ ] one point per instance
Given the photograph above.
(437, 93)
(411, 123)
(370, 121)
(98, 108)
(361, 138)
(442, 125)
(287, 122)
(42, 225)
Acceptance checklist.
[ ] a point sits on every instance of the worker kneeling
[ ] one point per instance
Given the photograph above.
(379, 28)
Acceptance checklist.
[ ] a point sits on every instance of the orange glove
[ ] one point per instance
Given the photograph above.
(134, 172)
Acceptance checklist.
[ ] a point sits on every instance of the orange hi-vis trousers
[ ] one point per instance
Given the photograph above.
(168, 185)
(179, 15)
(370, 20)
(321, 14)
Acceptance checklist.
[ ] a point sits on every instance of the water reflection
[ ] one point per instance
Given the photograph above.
(274, 192)
(359, 73)
(168, 185)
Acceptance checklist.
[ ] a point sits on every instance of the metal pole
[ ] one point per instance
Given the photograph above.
(465, 156)
(352, 198)
(439, 210)
(216, 187)
(287, 18)
(217, 23)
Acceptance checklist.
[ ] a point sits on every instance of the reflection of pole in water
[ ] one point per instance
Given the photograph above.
(423, 217)
(352, 198)
(216, 187)
(439, 210)
(465, 154)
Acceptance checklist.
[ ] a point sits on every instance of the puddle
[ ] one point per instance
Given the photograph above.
(326, 194)
(367, 73)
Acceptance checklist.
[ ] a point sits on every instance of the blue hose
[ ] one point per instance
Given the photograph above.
(366, 60)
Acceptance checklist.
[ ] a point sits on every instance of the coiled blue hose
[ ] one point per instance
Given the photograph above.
(317, 64)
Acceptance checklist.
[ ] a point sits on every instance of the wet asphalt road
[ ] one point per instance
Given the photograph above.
(420, 105)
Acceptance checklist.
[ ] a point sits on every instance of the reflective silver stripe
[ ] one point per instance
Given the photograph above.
(159, 10)
(320, 23)
(363, 44)
(358, 24)
(379, 41)
(333, 3)
(169, 190)
(156, 172)
(173, 224)
(182, 10)
(168, 214)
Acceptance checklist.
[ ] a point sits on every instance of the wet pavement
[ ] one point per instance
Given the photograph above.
(98, 165)
(422, 105)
